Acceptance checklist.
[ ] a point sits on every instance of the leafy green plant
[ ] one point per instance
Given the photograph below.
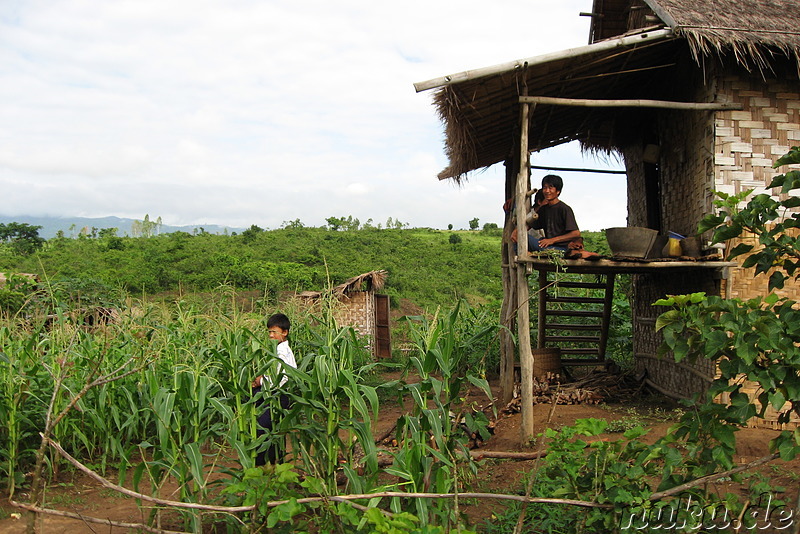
(756, 340)
(433, 454)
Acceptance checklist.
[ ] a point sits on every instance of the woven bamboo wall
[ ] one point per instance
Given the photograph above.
(357, 309)
(354, 308)
(682, 379)
(686, 167)
(637, 212)
(748, 143)
(735, 152)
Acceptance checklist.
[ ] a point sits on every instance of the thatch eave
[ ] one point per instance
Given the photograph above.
(373, 280)
(753, 31)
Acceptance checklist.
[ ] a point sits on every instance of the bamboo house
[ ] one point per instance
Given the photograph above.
(360, 305)
(694, 97)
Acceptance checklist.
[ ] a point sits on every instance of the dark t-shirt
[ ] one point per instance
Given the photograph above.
(555, 220)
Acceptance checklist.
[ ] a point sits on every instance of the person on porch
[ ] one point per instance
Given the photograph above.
(553, 216)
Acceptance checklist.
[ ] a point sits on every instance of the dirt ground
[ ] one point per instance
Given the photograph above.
(77, 493)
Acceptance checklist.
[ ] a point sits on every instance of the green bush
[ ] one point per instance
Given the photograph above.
(11, 301)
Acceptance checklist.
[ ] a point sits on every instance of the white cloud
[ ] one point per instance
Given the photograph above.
(255, 111)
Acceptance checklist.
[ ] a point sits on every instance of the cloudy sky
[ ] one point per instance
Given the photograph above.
(243, 112)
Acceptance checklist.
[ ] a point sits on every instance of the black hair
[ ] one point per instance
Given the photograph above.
(279, 320)
(554, 180)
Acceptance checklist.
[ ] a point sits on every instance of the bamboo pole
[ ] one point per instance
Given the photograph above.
(578, 169)
(601, 46)
(509, 308)
(523, 291)
(635, 103)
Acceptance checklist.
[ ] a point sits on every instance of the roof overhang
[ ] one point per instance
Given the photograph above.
(480, 108)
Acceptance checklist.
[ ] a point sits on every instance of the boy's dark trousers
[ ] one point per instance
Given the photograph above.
(266, 422)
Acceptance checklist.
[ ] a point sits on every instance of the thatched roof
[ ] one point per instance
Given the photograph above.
(480, 107)
(753, 30)
(373, 280)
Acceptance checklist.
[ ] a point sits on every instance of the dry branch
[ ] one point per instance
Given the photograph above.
(506, 455)
(136, 495)
(711, 478)
(96, 520)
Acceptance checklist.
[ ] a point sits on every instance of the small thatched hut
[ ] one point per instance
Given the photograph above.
(695, 96)
(363, 308)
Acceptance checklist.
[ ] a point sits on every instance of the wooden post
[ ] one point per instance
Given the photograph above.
(523, 291)
(606, 320)
(508, 310)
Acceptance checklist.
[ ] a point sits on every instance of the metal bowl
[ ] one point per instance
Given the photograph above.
(631, 241)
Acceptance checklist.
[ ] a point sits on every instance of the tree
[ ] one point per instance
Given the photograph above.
(146, 227)
(334, 223)
(249, 235)
(107, 232)
(292, 224)
(450, 226)
(23, 238)
(455, 239)
(766, 218)
(473, 224)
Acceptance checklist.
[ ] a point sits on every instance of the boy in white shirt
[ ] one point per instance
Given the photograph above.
(278, 326)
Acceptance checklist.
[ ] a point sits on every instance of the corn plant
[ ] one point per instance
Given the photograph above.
(330, 421)
(22, 378)
(433, 454)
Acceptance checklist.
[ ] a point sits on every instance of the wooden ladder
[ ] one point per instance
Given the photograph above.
(580, 330)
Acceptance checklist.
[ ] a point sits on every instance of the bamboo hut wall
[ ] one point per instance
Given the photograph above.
(686, 182)
(357, 309)
(637, 206)
(748, 142)
(744, 144)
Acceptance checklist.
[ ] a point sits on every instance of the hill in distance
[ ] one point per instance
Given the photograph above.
(72, 226)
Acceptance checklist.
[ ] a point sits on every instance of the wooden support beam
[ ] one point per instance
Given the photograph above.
(523, 291)
(577, 169)
(637, 103)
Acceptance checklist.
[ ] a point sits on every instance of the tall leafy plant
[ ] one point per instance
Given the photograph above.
(433, 455)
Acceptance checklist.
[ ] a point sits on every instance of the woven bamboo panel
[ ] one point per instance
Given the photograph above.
(748, 142)
(744, 282)
(357, 309)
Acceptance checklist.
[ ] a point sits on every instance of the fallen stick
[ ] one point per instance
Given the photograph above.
(386, 434)
(89, 519)
(478, 454)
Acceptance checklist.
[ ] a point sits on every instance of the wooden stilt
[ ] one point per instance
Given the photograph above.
(523, 291)
(507, 314)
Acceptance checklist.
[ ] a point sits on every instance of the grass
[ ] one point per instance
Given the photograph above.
(643, 415)
(66, 500)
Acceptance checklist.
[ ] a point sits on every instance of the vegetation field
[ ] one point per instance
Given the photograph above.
(153, 401)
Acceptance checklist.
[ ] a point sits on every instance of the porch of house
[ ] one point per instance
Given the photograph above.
(577, 322)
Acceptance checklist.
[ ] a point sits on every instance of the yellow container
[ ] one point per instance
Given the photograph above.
(672, 248)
